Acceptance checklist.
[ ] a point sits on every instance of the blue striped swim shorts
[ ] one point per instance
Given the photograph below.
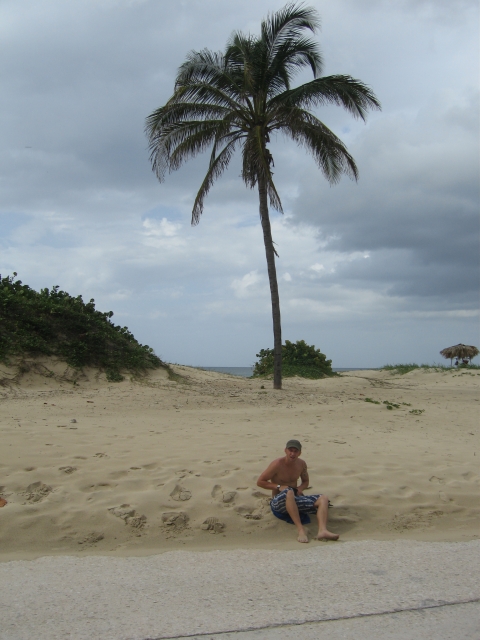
(305, 504)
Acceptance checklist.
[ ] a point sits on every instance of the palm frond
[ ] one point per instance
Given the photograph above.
(242, 56)
(208, 68)
(290, 58)
(288, 24)
(202, 92)
(355, 96)
(204, 66)
(177, 143)
(218, 164)
(194, 144)
(175, 112)
(273, 196)
(329, 152)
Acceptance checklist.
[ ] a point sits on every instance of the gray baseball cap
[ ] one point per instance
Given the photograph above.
(294, 443)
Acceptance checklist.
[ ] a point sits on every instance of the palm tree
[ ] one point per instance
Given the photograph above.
(237, 99)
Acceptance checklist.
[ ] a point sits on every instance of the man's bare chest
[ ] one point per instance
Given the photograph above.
(288, 474)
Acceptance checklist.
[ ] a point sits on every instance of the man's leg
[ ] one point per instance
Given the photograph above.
(322, 517)
(292, 510)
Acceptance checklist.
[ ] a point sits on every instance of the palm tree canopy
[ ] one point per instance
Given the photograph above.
(241, 96)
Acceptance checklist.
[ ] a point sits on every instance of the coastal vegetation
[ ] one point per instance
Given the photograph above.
(242, 96)
(390, 404)
(298, 359)
(402, 369)
(54, 323)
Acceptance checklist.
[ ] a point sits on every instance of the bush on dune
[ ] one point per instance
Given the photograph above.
(53, 323)
(402, 369)
(298, 359)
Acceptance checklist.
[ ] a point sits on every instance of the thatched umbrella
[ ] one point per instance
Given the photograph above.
(460, 351)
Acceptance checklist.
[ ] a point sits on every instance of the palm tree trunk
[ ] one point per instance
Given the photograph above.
(272, 276)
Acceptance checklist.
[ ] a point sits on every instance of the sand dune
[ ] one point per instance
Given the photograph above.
(154, 464)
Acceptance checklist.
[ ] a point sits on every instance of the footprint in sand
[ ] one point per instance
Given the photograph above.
(118, 474)
(92, 538)
(183, 472)
(37, 491)
(223, 496)
(345, 514)
(100, 486)
(67, 469)
(405, 492)
(263, 505)
(250, 513)
(100, 455)
(213, 525)
(180, 493)
(129, 515)
(259, 510)
(261, 496)
(175, 520)
(469, 475)
(419, 518)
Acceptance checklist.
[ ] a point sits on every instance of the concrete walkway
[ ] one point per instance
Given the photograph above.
(400, 590)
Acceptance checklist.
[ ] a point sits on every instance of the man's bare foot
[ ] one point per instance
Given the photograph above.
(3, 502)
(302, 536)
(327, 535)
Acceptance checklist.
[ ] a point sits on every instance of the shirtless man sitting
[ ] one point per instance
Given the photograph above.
(281, 477)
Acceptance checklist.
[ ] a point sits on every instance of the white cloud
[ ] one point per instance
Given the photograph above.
(163, 229)
(245, 286)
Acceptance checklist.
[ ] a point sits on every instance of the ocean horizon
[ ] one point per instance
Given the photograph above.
(246, 372)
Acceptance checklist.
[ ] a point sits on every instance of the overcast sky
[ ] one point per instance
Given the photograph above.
(380, 271)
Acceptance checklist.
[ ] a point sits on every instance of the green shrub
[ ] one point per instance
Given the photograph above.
(403, 368)
(53, 323)
(298, 359)
(391, 405)
(406, 368)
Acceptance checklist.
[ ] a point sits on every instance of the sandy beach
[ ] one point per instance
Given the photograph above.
(152, 465)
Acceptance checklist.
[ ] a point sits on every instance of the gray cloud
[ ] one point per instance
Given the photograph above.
(418, 195)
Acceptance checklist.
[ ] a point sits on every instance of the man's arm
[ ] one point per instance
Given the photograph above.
(305, 480)
(264, 480)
